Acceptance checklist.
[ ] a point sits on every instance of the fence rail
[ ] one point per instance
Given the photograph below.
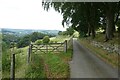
(51, 47)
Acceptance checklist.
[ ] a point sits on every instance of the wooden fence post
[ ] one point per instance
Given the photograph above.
(30, 51)
(13, 67)
(46, 48)
(65, 46)
(28, 55)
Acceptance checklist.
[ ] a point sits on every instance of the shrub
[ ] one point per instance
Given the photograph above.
(38, 42)
(51, 41)
(46, 39)
(6, 61)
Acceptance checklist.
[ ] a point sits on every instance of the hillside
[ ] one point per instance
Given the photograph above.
(22, 32)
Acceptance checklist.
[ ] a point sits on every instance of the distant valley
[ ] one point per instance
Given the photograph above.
(22, 32)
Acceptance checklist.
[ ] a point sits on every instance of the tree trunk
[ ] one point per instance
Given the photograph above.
(93, 31)
(92, 20)
(89, 29)
(109, 24)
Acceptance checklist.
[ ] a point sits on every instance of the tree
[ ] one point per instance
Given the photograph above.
(109, 10)
(38, 42)
(78, 14)
(60, 33)
(36, 35)
(70, 31)
(24, 41)
(86, 16)
(46, 39)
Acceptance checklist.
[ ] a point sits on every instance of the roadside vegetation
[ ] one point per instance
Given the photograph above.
(20, 62)
(0, 54)
(108, 57)
(86, 19)
(94, 22)
(51, 65)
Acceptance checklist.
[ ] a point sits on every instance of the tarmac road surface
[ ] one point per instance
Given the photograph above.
(85, 64)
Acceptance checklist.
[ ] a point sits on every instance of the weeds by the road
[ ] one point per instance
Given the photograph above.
(50, 65)
(111, 58)
(35, 68)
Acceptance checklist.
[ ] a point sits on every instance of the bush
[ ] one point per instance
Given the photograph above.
(46, 39)
(38, 42)
(51, 41)
(6, 61)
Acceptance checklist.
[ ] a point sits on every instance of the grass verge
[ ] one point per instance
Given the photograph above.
(58, 64)
(111, 58)
(20, 63)
(101, 38)
(49, 65)
(35, 68)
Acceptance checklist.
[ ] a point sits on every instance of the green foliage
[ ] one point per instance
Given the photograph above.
(36, 35)
(20, 62)
(25, 40)
(8, 38)
(5, 57)
(56, 65)
(46, 39)
(70, 31)
(22, 41)
(36, 68)
(103, 54)
(60, 33)
(38, 42)
(51, 41)
(6, 61)
(118, 24)
(4, 46)
(86, 17)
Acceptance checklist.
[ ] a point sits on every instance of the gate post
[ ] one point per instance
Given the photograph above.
(46, 48)
(65, 46)
(28, 55)
(13, 67)
(30, 51)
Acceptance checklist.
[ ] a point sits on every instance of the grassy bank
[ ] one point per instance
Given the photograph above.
(59, 38)
(36, 67)
(49, 65)
(20, 62)
(111, 58)
(101, 38)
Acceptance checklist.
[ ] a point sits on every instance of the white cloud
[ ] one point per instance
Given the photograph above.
(28, 14)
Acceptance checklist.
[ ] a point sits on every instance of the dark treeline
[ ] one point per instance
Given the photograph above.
(87, 17)
(69, 31)
(23, 41)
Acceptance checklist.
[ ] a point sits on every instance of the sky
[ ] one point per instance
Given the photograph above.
(28, 14)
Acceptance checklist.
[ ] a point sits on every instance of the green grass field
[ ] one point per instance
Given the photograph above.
(20, 62)
(59, 38)
(51, 65)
